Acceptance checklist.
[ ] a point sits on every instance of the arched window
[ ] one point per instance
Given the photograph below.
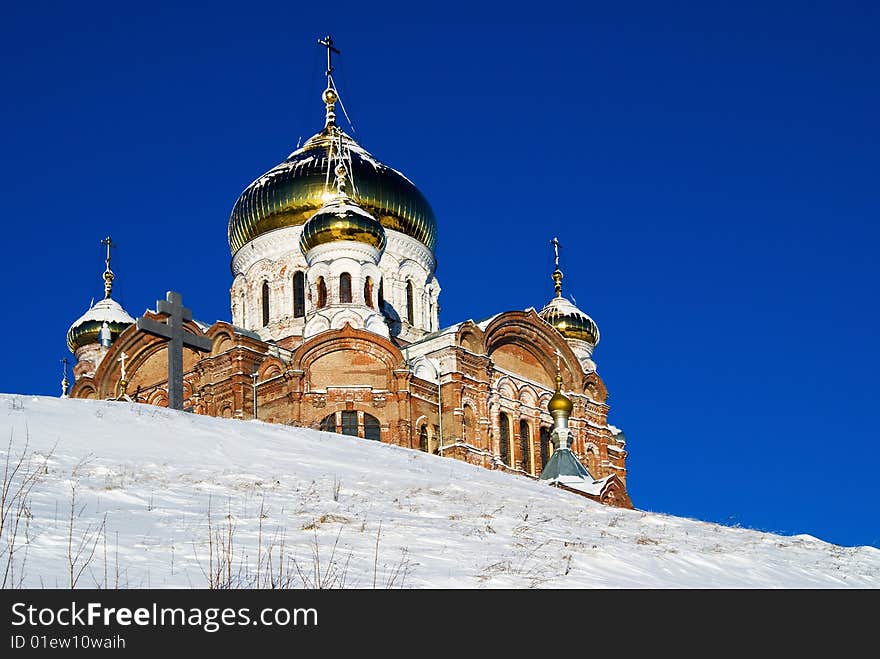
(525, 438)
(368, 292)
(241, 301)
(350, 423)
(328, 423)
(469, 425)
(410, 316)
(381, 295)
(299, 294)
(322, 293)
(345, 287)
(592, 462)
(504, 438)
(423, 438)
(265, 303)
(545, 446)
(372, 429)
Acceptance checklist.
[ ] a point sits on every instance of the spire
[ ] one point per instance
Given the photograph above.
(65, 383)
(563, 467)
(560, 407)
(557, 273)
(330, 95)
(108, 273)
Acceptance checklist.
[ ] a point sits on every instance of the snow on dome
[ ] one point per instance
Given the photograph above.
(341, 219)
(85, 329)
(570, 321)
(293, 191)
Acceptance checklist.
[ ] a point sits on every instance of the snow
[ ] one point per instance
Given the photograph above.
(108, 310)
(575, 483)
(152, 473)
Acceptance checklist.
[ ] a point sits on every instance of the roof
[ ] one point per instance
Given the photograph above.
(565, 469)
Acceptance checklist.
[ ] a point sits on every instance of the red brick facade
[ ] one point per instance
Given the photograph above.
(498, 373)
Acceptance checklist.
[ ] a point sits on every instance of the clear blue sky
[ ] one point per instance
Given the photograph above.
(710, 168)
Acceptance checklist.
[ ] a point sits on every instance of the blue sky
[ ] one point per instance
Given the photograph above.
(710, 171)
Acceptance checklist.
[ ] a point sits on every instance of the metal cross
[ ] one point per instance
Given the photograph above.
(327, 42)
(173, 330)
(109, 243)
(121, 360)
(555, 243)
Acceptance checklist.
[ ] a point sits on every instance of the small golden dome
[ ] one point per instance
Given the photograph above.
(570, 321)
(86, 329)
(341, 219)
(291, 192)
(560, 402)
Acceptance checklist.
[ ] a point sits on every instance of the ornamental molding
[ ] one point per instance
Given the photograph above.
(400, 247)
(273, 245)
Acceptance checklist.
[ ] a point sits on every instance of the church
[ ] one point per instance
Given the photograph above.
(335, 326)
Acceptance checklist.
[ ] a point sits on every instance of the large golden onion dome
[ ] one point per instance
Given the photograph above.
(86, 328)
(341, 219)
(291, 192)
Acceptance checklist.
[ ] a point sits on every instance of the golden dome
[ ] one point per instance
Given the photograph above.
(341, 219)
(570, 321)
(291, 192)
(86, 329)
(560, 402)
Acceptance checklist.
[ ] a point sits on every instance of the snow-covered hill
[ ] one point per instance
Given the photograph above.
(130, 489)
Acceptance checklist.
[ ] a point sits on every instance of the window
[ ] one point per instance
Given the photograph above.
(350, 423)
(371, 427)
(409, 303)
(265, 303)
(381, 295)
(469, 425)
(299, 295)
(524, 441)
(545, 446)
(345, 287)
(243, 310)
(423, 438)
(504, 438)
(322, 293)
(592, 462)
(368, 292)
(328, 423)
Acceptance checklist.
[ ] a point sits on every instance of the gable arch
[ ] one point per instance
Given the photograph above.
(534, 343)
(595, 388)
(270, 368)
(330, 357)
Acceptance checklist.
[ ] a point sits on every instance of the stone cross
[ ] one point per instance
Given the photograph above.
(172, 330)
